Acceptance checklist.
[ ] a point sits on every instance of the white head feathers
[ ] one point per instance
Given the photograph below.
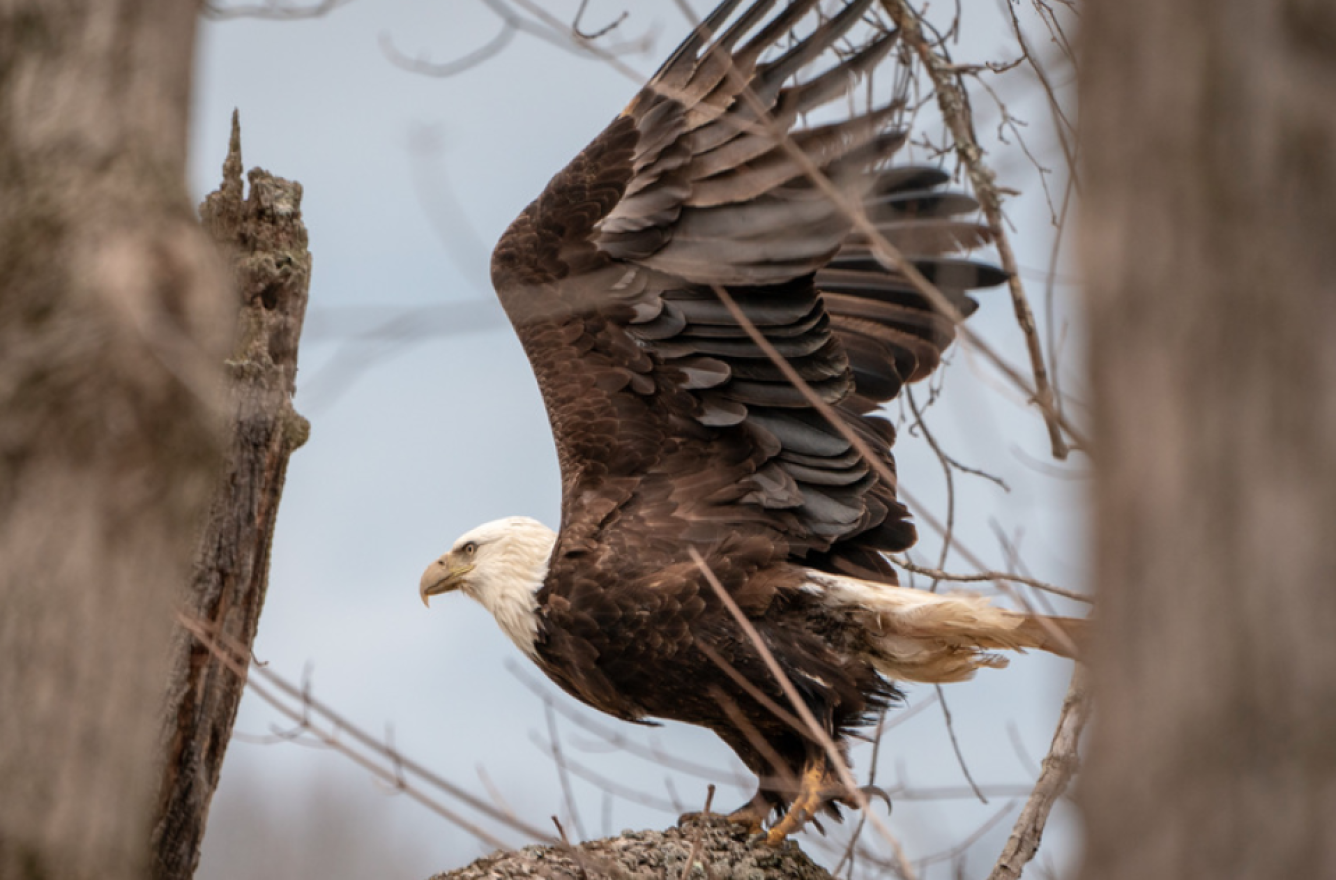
(501, 564)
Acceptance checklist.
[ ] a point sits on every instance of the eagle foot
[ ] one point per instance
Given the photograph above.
(819, 786)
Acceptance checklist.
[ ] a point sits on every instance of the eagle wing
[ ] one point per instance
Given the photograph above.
(670, 422)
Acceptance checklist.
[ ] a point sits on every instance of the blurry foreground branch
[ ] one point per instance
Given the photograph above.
(271, 267)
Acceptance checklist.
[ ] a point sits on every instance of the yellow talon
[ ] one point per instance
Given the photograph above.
(818, 787)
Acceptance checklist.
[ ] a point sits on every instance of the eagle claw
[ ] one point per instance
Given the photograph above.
(876, 791)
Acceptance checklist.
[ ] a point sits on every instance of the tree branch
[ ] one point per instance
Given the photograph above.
(955, 108)
(1059, 767)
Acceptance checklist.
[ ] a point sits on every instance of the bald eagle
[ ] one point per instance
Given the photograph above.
(685, 452)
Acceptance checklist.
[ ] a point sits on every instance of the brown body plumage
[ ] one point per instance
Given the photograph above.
(676, 432)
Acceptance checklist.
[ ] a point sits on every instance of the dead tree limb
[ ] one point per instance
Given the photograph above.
(271, 268)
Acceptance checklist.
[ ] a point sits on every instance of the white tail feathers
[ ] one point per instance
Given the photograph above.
(914, 635)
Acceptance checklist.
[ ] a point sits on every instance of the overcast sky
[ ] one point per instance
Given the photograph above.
(430, 423)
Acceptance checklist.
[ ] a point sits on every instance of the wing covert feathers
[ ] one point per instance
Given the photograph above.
(669, 419)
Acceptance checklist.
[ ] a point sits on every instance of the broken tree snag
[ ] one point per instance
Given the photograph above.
(265, 241)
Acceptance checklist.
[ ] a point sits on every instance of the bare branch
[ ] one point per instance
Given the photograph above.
(486, 51)
(945, 462)
(955, 746)
(957, 852)
(938, 574)
(618, 741)
(1058, 768)
(954, 104)
(559, 759)
(696, 839)
(314, 717)
(539, 24)
(579, 14)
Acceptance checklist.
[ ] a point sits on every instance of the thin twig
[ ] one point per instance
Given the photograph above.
(567, 794)
(616, 740)
(1050, 281)
(995, 576)
(1062, 124)
(625, 792)
(696, 838)
(443, 69)
(955, 746)
(954, 104)
(849, 852)
(580, 33)
(569, 38)
(945, 462)
(958, 851)
(236, 659)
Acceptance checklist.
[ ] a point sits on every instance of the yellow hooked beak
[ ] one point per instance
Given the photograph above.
(442, 576)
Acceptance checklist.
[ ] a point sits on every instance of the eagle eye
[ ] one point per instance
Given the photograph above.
(470, 548)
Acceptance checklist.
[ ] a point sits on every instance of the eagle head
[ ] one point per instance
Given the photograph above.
(502, 565)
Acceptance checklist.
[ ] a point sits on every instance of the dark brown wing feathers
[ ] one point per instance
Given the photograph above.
(673, 428)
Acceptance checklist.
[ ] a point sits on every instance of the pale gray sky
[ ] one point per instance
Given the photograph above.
(422, 433)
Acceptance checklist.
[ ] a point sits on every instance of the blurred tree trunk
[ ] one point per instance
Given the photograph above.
(1209, 244)
(114, 315)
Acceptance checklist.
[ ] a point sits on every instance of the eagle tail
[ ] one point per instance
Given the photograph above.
(914, 635)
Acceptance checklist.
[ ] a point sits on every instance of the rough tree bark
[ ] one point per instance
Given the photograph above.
(1210, 216)
(266, 240)
(114, 314)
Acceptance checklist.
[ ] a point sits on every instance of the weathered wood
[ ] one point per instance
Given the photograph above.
(114, 316)
(266, 239)
(1209, 217)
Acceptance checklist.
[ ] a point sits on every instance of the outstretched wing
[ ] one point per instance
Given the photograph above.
(669, 420)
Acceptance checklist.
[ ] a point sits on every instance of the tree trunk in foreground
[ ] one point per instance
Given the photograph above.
(1210, 252)
(114, 315)
(714, 847)
(266, 240)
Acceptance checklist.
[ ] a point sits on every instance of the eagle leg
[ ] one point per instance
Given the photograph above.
(819, 786)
